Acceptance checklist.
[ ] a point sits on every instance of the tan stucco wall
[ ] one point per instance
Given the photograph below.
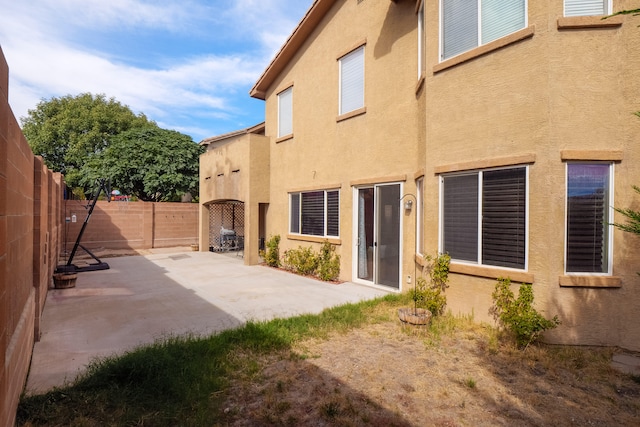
(236, 170)
(559, 89)
(326, 154)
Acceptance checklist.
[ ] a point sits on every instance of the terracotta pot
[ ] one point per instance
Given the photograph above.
(414, 316)
(195, 247)
(64, 280)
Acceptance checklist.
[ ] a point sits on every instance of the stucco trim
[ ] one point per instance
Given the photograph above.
(486, 163)
(585, 22)
(315, 239)
(603, 155)
(419, 174)
(590, 281)
(419, 259)
(309, 22)
(525, 33)
(351, 49)
(328, 187)
(284, 138)
(284, 87)
(490, 272)
(379, 180)
(350, 114)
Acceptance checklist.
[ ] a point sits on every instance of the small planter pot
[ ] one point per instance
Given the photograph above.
(414, 316)
(64, 280)
(195, 247)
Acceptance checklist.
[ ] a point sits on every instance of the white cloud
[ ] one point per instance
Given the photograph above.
(43, 44)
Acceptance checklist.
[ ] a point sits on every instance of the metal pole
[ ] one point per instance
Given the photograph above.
(86, 221)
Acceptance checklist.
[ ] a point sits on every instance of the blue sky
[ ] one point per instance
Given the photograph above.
(187, 64)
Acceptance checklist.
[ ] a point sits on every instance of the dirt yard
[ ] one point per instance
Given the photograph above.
(389, 374)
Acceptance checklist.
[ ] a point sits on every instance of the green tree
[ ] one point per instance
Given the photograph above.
(633, 12)
(69, 131)
(150, 163)
(633, 218)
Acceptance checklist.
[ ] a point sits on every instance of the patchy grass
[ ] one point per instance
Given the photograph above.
(351, 365)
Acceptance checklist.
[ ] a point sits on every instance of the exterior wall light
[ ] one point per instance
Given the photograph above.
(408, 205)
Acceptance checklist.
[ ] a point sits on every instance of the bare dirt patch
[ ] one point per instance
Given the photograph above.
(389, 374)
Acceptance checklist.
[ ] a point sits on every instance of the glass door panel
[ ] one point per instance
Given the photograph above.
(388, 236)
(365, 234)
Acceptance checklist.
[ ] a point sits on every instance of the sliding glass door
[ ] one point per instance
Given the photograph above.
(378, 235)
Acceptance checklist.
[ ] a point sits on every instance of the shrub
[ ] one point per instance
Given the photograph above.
(632, 217)
(271, 255)
(518, 315)
(328, 262)
(430, 295)
(301, 260)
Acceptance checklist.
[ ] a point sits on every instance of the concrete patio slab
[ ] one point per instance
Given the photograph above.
(168, 292)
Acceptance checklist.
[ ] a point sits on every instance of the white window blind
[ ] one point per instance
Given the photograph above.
(285, 112)
(585, 7)
(421, 56)
(467, 24)
(459, 26)
(419, 215)
(352, 81)
(500, 18)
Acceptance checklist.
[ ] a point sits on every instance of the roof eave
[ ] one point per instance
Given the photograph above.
(309, 22)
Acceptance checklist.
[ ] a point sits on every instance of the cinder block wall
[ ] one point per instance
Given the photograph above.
(132, 225)
(30, 219)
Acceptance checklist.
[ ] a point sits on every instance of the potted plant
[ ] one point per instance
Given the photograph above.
(64, 280)
(428, 298)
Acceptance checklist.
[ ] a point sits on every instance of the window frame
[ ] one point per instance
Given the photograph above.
(421, 42)
(360, 50)
(479, 22)
(608, 9)
(420, 215)
(299, 210)
(479, 173)
(281, 95)
(608, 240)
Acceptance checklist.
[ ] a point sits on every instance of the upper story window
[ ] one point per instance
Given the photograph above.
(467, 24)
(285, 112)
(587, 7)
(352, 81)
(315, 213)
(420, 215)
(421, 55)
(589, 201)
(484, 217)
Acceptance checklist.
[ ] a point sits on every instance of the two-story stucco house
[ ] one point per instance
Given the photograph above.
(499, 132)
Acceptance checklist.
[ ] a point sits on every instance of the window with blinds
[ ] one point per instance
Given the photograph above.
(420, 215)
(467, 24)
(352, 81)
(504, 202)
(484, 217)
(285, 112)
(586, 7)
(315, 213)
(588, 210)
(294, 220)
